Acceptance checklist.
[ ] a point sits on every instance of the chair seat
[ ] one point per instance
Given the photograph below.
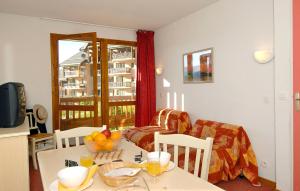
(40, 142)
(41, 136)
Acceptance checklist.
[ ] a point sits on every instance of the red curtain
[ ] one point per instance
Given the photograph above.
(145, 84)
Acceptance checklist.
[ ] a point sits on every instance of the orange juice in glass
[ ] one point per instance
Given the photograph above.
(153, 164)
(86, 161)
(153, 168)
(157, 162)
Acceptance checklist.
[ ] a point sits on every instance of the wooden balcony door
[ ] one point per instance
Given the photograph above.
(93, 81)
(119, 76)
(76, 80)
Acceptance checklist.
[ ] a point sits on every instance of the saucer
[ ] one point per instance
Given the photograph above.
(54, 185)
(170, 167)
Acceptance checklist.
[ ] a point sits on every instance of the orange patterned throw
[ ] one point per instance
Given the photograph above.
(232, 153)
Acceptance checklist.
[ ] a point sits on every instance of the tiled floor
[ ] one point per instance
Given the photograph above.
(240, 184)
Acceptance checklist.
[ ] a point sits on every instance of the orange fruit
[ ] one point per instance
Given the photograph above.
(94, 134)
(108, 145)
(116, 135)
(100, 139)
(98, 147)
(88, 138)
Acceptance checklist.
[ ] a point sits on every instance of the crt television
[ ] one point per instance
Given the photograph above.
(12, 104)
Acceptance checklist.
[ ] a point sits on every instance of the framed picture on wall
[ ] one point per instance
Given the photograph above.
(198, 66)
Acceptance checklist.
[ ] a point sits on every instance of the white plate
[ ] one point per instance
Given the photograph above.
(54, 185)
(171, 165)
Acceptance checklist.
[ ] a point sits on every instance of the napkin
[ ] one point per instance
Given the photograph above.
(90, 175)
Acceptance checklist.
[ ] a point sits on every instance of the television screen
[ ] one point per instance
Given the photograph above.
(12, 104)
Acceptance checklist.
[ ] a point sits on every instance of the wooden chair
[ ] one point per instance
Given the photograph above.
(38, 142)
(75, 133)
(187, 142)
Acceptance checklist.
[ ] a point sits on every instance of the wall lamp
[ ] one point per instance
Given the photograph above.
(263, 56)
(159, 70)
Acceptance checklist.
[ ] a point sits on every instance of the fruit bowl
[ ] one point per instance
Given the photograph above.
(103, 141)
(94, 147)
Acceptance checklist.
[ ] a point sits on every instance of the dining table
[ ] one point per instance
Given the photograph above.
(51, 161)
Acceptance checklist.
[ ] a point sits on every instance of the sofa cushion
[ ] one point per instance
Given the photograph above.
(173, 120)
(160, 118)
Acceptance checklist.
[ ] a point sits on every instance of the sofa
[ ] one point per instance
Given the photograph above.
(232, 153)
(166, 121)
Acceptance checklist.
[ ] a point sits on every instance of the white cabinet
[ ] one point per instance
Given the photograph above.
(14, 164)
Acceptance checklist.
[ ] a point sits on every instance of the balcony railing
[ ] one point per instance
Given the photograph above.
(122, 55)
(119, 84)
(71, 73)
(119, 70)
(73, 86)
(121, 113)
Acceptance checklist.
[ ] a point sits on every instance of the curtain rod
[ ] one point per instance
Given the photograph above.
(82, 23)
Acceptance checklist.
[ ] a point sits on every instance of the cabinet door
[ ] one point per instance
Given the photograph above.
(14, 173)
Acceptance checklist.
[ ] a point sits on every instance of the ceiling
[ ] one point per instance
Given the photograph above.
(132, 14)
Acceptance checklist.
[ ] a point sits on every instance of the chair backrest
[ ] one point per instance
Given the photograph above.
(187, 142)
(31, 120)
(75, 133)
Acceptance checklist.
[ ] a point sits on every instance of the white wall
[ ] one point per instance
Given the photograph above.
(25, 52)
(1, 75)
(284, 96)
(243, 90)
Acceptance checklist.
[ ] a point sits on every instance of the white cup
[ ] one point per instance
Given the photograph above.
(162, 157)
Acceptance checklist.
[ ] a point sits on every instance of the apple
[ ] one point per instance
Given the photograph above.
(106, 132)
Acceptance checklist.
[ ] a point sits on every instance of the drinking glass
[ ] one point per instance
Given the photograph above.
(86, 161)
(164, 161)
(153, 167)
